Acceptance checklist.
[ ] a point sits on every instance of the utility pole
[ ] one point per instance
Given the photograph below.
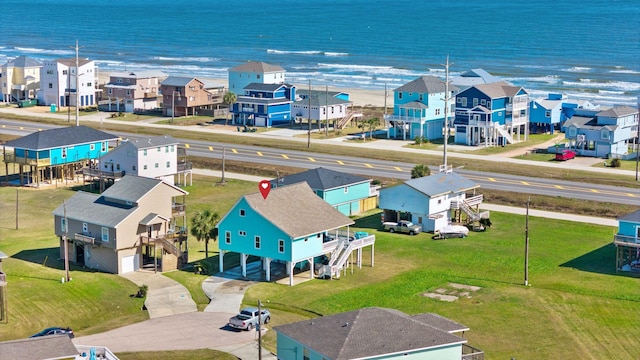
(326, 110)
(259, 328)
(526, 246)
(16, 209)
(446, 99)
(66, 246)
(309, 118)
(638, 140)
(223, 154)
(77, 87)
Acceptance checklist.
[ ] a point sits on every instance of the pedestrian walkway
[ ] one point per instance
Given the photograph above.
(165, 296)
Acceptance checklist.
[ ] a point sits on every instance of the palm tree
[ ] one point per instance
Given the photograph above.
(229, 99)
(203, 227)
(419, 171)
(372, 123)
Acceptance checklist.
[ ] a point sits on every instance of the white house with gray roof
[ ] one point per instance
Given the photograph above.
(374, 333)
(58, 83)
(292, 226)
(254, 72)
(321, 106)
(138, 221)
(19, 79)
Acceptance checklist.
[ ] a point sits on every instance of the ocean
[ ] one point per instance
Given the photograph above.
(586, 49)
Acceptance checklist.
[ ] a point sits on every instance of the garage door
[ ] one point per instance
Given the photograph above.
(130, 264)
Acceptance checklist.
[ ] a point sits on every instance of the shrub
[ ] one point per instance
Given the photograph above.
(615, 162)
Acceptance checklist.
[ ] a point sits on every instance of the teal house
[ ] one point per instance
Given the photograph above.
(350, 194)
(290, 226)
(55, 154)
(375, 333)
(627, 242)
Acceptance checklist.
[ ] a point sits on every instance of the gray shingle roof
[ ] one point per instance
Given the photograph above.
(474, 77)
(366, 333)
(321, 179)
(153, 141)
(440, 322)
(633, 217)
(71, 62)
(257, 67)
(177, 81)
(22, 62)
(588, 123)
(144, 74)
(131, 188)
(498, 89)
(93, 209)
(45, 347)
(425, 84)
(263, 87)
(414, 105)
(296, 210)
(442, 183)
(59, 137)
(618, 111)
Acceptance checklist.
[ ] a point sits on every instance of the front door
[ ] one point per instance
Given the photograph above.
(80, 254)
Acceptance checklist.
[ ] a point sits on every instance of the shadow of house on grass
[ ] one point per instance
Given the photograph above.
(48, 257)
(601, 260)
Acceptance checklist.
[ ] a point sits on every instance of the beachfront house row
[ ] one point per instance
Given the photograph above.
(418, 109)
(323, 107)
(547, 115)
(58, 83)
(627, 243)
(374, 333)
(349, 194)
(19, 79)
(290, 226)
(158, 157)
(264, 105)
(254, 72)
(131, 90)
(185, 96)
(55, 154)
(491, 114)
(607, 133)
(433, 201)
(138, 222)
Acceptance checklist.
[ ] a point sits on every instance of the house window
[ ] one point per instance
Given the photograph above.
(547, 113)
(439, 201)
(166, 149)
(144, 167)
(64, 152)
(483, 101)
(92, 147)
(346, 189)
(144, 152)
(156, 165)
(133, 167)
(399, 95)
(281, 246)
(437, 111)
(158, 149)
(63, 224)
(305, 354)
(105, 234)
(85, 227)
(475, 102)
(242, 212)
(256, 242)
(103, 148)
(171, 148)
(499, 113)
(227, 237)
(64, 72)
(242, 233)
(459, 100)
(604, 134)
(168, 164)
(464, 101)
(192, 98)
(420, 97)
(50, 86)
(118, 167)
(192, 88)
(572, 131)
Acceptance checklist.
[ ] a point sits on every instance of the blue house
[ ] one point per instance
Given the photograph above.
(491, 114)
(291, 225)
(264, 105)
(55, 154)
(350, 194)
(418, 109)
(374, 333)
(627, 242)
(254, 72)
(606, 134)
(432, 201)
(549, 114)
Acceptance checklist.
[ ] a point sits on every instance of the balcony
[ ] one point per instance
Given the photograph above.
(178, 209)
(150, 95)
(102, 174)
(471, 353)
(625, 240)
(185, 167)
(11, 158)
(405, 118)
(87, 239)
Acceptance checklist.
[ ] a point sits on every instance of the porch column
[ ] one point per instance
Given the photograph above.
(359, 258)
(221, 260)
(267, 268)
(372, 250)
(311, 267)
(290, 272)
(243, 264)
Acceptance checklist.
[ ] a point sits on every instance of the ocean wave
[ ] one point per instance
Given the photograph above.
(578, 69)
(616, 85)
(306, 52)
(44, 51)
(603, 99)
(370, 69)
(625, 71)
(188, 58)
(548, 79)
(610, 92)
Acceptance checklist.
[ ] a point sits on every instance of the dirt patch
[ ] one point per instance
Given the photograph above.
(451, 292)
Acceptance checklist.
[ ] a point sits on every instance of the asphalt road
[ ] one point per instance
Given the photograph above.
(379, 168)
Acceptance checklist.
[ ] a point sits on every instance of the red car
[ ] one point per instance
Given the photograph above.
(564, 155)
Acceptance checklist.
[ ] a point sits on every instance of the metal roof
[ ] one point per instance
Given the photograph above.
(367, 333)
(633, 217)
(321, 179)
(22, 62)
(60, 137)
(297, 211)
(256, 67)
(264, 87)
(177, 81)
(618, 111)
(442, 183)
(152, 142)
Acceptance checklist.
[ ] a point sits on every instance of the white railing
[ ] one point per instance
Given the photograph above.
(505, 134)
(404, 118)
(626, 240)
(374, 190)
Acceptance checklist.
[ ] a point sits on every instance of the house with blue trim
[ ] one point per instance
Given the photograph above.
(55, 154)
(418, 109)
(547, 115)
(374, 333)
(627, 243)
(491, 114)
(433, 201)
(291, 225)
(254, 72)
(608, 133)
(349, 194)
(264, 105)
(323, 107)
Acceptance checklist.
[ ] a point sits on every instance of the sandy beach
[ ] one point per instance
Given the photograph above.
(360, 97)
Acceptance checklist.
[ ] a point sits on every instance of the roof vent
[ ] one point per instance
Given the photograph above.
(345, 324)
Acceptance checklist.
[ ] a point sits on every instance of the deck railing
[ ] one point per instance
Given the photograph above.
(103, 174)
(471, 353)
(626, 240)
(91, 240)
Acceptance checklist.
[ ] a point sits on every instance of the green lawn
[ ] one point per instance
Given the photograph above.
(203, 354)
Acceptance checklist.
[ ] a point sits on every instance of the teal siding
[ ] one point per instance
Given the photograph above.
(77, 153)
(627, 228)
(354, 192)
(404, 198)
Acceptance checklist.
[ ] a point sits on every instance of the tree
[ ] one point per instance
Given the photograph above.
(229, 99)
(372, 123)
(419, 171)
(203, 227)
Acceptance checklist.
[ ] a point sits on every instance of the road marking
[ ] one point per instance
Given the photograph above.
(259, 153)
(492, 179)
(21, 128)
(210, 148)
(285, 156)
(524, 183)
(397, 168)
(234, 151)
(340, 162)
(595, 191)
(632, 195)
(311, 159)
(369, 166)
(558, 187)
(186, 146)
(4, 125)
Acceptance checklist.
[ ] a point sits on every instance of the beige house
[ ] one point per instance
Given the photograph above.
(185, 96)
(130, 90)
(138, 222)
(19, 79)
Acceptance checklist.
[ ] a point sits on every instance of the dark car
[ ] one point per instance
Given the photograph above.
(54, 331)
(565, 155)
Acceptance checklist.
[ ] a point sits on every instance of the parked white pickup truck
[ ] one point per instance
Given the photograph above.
(247, 319)
(404, 226)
